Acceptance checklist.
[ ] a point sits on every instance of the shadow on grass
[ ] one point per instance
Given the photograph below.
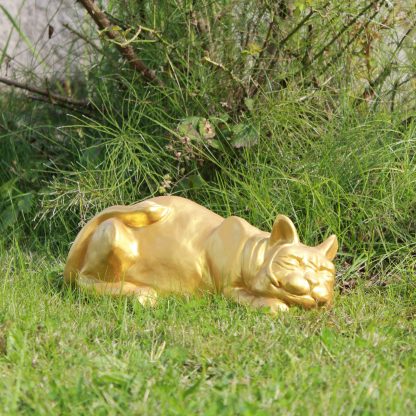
(55, 283)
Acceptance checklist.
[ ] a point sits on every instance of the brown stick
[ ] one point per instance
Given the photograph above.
(127, 51)
(72, 108)
(45, 93)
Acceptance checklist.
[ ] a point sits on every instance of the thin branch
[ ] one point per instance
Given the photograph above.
(81, 36)
(396, 86)
(393, 95)
(114, 20)
(270, 30)
(255, 75)
(53, 98)
(353, 39)
(278, 48)
(298, 27)
(338, 35)
(153, 33)
(288, 36)
(127, 51)
(342, 31)
(386, 71)
(225, 69)
(60, 104)
(406, 80)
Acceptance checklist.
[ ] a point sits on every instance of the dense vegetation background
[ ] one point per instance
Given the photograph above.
(251, 108)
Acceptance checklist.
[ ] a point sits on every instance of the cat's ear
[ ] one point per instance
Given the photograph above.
(284, 231)
(329, 247)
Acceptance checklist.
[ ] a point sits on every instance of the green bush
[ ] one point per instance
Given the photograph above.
(260, 107)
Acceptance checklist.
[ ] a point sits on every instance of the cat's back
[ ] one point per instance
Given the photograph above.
(187, 213)
(173, 250)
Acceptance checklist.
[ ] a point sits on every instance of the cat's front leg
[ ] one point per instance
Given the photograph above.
(146, 295)
(244, 297)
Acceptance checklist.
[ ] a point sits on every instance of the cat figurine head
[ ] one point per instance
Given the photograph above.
(295, 273)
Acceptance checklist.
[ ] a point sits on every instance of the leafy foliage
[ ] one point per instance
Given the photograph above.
(301, 107)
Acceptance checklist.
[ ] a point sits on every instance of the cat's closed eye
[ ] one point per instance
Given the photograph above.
(287, 264)
(312, 267)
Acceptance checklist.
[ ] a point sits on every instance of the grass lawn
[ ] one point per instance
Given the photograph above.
(63, 352)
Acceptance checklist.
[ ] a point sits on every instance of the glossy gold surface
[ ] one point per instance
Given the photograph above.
(170, 244)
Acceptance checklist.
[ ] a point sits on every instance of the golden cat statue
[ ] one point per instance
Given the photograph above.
(170, 244)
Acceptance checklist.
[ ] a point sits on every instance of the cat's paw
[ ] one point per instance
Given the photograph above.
(146, 296)
(273, 306)
(278, 307)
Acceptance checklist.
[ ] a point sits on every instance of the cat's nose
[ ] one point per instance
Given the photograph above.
(296, 284)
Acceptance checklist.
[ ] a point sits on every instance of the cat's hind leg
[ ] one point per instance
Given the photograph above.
(112, 249)
(110, 228)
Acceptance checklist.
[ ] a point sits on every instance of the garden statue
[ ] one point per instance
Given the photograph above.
(170, 244)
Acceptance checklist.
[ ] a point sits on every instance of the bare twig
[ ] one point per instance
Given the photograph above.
(270, 30)
(369, 91)
(152, 33)
(225, 69)
(406, 80)
(116, 21)
(337, 35)
(275, 57)
(343, 30)
(308, 46)
(126, 50)
(279, 46)
(352, 40)
(81, 36)
(393, 93)
(298, 27)
(79, 110)
(53, 98)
